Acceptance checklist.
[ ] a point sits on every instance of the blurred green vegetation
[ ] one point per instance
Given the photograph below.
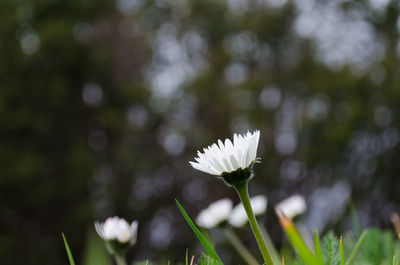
(103, 103)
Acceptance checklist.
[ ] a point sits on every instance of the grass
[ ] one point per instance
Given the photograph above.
(71, 259)
(373, 246)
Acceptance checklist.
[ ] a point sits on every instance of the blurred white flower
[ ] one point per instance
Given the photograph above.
(215, 214)
(291, 207)
(115, 228)
(238, 216)
(228, 157)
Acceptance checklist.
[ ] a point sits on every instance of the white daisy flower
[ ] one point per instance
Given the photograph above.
(238, 216)
(291, 207)
(229, 157)
(117, 229)
(215, 214)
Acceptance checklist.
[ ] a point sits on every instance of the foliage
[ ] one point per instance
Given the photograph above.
(374, 246)
(379, 247)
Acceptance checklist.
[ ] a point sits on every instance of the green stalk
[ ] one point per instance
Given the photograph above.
(243, 192)
(120, 260)
(241, 249)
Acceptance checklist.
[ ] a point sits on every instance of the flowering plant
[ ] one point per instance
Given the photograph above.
(233, 162)
(118, 234)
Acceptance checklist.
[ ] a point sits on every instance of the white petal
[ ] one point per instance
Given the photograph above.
(134, 227)
(218, 165)
(99, 228)
(259, 204)
(239, 217)
(292, 206)
(215, 213)
(248, 158)
(234, 162)
(201, 167)
(221, 145)
(256, 138)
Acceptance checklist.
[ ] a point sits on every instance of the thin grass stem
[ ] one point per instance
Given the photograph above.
(271, 248)
(240, 248)
(120, 260)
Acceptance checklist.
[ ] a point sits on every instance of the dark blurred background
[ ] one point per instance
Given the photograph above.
(103, 103)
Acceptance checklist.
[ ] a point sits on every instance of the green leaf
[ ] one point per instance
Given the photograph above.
(71, 259)
(299, 245)
(207, 246)
(356, 248)
(330, 248)
(318, 250)
(341, 251)
(207, 260)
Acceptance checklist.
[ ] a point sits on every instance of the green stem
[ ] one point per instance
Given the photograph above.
(241, 249)
(243, 192)
(120, 260)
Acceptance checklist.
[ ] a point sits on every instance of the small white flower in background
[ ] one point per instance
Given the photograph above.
(228, 157)
(291, 207)
(117, 229)
(215, 214)
(238, 216)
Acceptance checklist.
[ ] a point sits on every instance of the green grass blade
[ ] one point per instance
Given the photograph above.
(71, 259)
(300, 246)
(318, 250)
(354, 217)
(270, 245)
(356, 248)
(207, 246)
(341, 251)
(396, 260)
